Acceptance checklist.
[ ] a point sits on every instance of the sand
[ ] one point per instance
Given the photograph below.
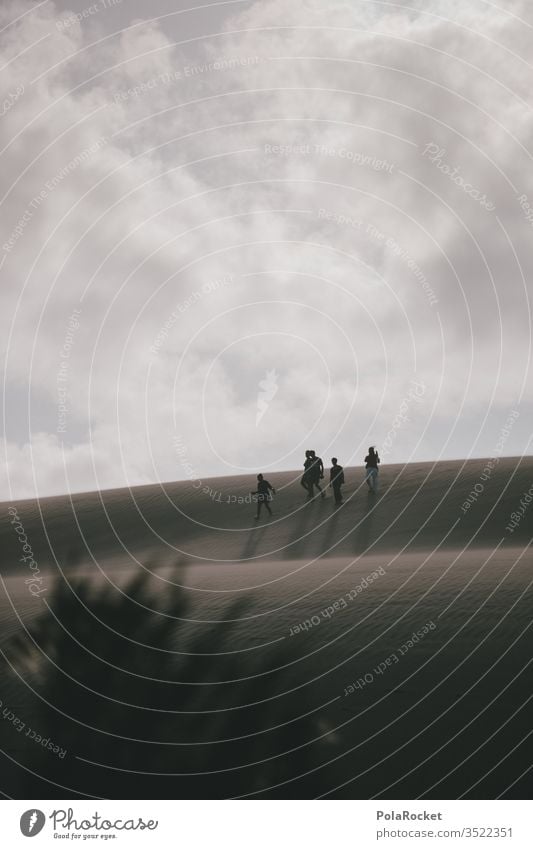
(380, 649)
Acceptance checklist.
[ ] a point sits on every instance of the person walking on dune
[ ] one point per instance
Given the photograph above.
(336, 480)
(315, 473)
(371, 465)
(264, 493)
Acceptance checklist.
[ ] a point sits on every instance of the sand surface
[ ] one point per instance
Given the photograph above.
(177, 649)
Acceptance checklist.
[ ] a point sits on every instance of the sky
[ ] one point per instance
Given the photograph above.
(234, 231)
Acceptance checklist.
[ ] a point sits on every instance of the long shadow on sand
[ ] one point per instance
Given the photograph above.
(363, 531)
(331, 529)
(310, 515)
(255, 535)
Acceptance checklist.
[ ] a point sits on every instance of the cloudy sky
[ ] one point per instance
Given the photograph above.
(233, 231)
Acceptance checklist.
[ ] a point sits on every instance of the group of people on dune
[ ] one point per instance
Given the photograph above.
(313, 474)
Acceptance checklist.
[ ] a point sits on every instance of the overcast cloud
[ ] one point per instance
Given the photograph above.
(318, 208)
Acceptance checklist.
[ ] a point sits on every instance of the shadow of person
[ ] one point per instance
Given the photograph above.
(329, 539)
(363, 530)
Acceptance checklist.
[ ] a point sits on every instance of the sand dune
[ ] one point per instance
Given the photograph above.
(380, 649)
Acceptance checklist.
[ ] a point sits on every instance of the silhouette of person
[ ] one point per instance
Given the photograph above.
(305, 477)
(336, 480)
(264, 493)
(371, 465)
(314, 472)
